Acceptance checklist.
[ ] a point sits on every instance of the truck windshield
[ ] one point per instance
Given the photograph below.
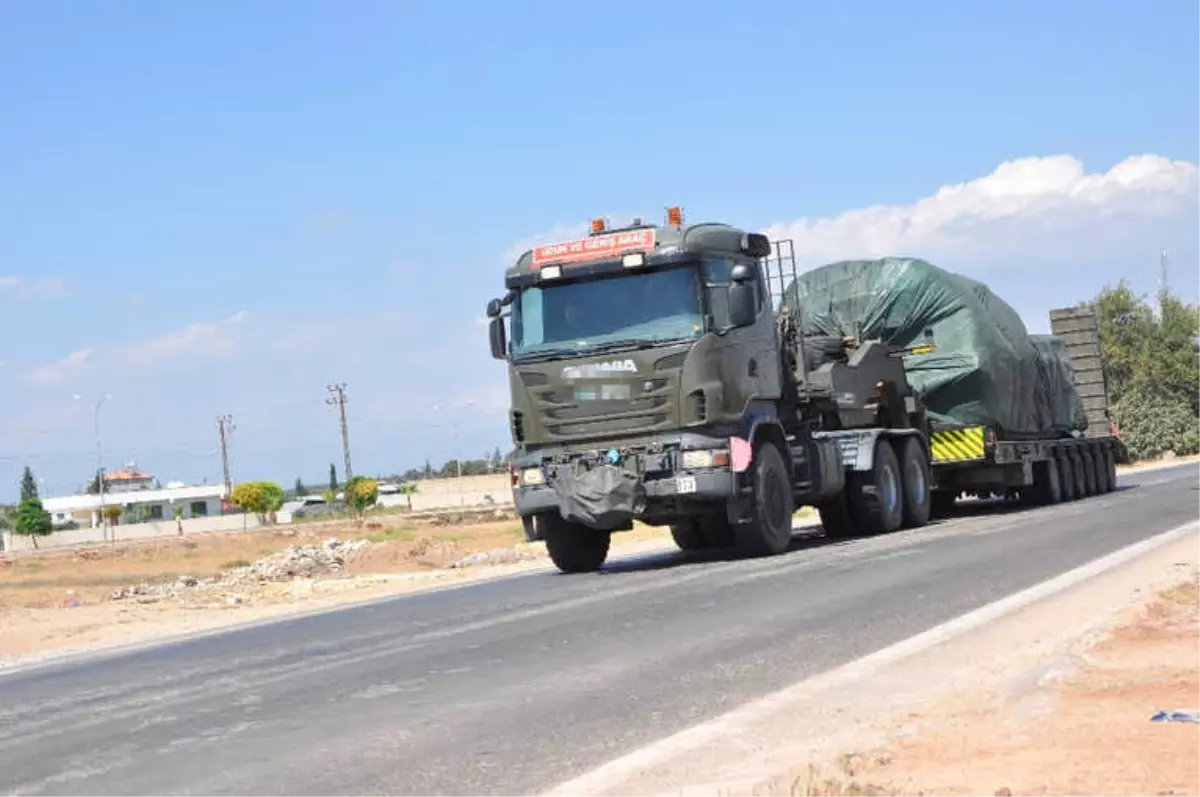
(645, 307)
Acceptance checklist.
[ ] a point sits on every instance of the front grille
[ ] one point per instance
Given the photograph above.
(565, 418)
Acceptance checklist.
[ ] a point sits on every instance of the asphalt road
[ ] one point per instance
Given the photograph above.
(514, 685)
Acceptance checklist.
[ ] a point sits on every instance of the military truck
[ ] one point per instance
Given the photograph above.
(657, 375)
(1012, 415)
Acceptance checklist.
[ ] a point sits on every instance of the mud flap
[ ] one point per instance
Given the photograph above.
(605, 497)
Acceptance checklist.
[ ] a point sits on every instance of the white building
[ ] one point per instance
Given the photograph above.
(138, 505)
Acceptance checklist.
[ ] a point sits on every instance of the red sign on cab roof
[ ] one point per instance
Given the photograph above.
(597, 247)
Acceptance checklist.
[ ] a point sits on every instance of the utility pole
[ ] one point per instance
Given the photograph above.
(337, 398)
(224, 428)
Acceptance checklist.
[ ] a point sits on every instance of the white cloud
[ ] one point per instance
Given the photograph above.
(200, 338)
(60, 370)
(1020, 206)
(43, 289)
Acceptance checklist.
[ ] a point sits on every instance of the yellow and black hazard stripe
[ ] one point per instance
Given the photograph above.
(958, 445)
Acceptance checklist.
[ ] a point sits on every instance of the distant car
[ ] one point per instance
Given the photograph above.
(318, 507)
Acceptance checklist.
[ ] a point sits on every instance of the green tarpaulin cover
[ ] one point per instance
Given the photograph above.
(986, 369)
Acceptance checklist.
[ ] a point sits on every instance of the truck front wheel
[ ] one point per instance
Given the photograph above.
(573, 547)
(770, 531)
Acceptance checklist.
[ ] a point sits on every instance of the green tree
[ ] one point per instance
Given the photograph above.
(333, 482)
(112, 513)
(362, 492)
(262, 498)
(1152, 366)
(299, 489)
(330, 496)
(409, 489)
(29, 488)
(32, 520)
(93, 487)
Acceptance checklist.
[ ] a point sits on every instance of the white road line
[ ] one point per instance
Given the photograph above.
(610, 776)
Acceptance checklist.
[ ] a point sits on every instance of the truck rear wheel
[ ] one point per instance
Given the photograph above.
(574, 547)
(914, 465)
(882, 512)
(835, 517)
(770, 532)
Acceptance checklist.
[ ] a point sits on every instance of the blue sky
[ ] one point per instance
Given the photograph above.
(221, 207)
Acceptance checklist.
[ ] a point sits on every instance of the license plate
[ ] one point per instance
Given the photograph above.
(685, 484)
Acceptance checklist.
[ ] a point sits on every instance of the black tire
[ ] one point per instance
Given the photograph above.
(1110, 465)
(941, 503)
(770, 532)
(690, 536)
(1048, 482)
(882, 511)
(836, 519)
(1066, 475)
(703, 533)
(573, 547)
(1089, 472)
(914, 470)
(1077, 466)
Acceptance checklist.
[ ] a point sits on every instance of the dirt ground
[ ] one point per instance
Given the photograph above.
(61, 599)
(1087, 731)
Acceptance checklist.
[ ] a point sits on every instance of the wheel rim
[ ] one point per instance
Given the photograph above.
(891, 498)
(916, 479)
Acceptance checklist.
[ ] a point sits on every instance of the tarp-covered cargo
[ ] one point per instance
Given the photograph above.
(986, 369)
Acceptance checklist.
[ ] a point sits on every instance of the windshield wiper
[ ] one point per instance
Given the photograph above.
(549, 354)
(631, 345)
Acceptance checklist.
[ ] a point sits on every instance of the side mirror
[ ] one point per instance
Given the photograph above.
(494, 307)
(497, 338)
(742, 272)
(742, 309)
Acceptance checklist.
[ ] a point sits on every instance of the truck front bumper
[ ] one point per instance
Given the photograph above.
(599, 489)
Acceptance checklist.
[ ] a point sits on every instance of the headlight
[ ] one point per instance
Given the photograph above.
(708, 458)
(531, 476)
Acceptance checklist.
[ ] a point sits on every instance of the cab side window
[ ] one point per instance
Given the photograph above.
(715, 272)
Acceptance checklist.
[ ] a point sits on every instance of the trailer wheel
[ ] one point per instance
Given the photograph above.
(1089, 472)
(914, 465)
(1077, 468)
(574, 547)
(1066, 472)
(770, 532)
(1048, 482)
(941, 503)
(881, 509)
(1110, 466)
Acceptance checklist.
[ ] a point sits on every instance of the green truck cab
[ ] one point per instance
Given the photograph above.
(654, 377)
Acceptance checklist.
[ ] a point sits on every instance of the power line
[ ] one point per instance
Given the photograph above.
(337, 399)
(224, 428)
